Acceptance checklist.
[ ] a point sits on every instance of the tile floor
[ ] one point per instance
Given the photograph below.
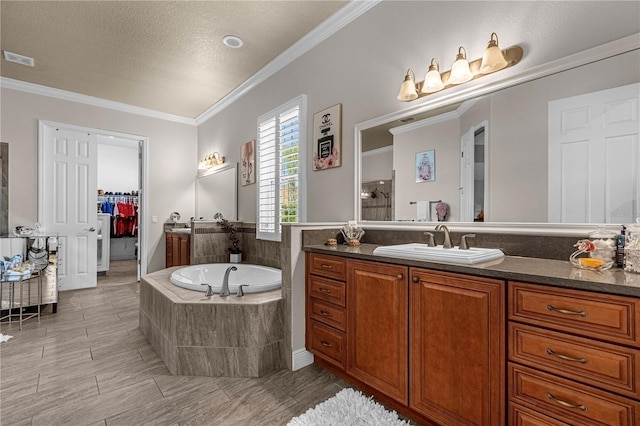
(90, 365)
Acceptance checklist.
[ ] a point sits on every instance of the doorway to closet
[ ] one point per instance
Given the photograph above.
(118, 183)
(94, 229)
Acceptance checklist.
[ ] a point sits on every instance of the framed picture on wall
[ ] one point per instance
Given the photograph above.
(426, 166)
(327, 138)
(247, 165)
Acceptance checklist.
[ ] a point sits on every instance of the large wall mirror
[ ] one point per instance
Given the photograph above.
(559, 148)
(4, 188)
(217, 192)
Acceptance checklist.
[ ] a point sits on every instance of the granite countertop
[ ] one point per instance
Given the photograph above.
(557, 273)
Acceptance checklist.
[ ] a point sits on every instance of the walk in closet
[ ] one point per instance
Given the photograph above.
(117, 201)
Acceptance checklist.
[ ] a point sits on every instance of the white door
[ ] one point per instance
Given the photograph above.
(466, 176)
(67, 200)
(594, 157)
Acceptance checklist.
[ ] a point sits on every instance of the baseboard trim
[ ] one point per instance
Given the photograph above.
(300, 359)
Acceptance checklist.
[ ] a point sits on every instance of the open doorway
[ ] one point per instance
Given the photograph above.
(118, 204)
(70, 206)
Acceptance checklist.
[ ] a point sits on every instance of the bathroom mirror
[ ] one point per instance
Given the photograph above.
(216, 191)
(518, 175)
(4, 188)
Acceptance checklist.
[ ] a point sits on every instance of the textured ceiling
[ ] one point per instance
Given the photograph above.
(167, 56)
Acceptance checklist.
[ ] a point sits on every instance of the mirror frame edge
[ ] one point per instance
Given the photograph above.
(607, 50)
(217, 169)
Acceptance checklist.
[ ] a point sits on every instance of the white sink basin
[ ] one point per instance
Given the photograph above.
(440, 254)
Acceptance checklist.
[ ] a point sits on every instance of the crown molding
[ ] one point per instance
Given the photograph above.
(323, 31)
(9, 83)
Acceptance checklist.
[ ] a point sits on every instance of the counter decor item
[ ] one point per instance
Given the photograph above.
(590, 263)
(23, 231)
(632, 248)
(235, 253)
(605, 242)
(352, 234)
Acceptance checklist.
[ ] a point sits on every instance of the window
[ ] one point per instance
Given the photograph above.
(280, 151)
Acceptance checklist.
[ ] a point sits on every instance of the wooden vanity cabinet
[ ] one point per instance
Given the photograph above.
(573, 356)
(377, 342)
(457, 348)
(178, 249)
(326, 318)
(431, 344)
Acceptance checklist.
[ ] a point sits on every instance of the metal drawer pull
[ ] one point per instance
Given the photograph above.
(565, 311)
(323, 266)
(326, 344)
(324, 290)
(566, 358)
(326, 314)
(565, 403)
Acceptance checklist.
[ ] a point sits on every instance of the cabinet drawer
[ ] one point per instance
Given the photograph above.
(328, 290)
(522, 416)
(327, 343)
(329, 314)
(569, 401)
(600, 364)
(610, 318)
(328, 266)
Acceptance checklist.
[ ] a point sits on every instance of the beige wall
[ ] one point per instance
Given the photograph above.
(171, 158)
(362, 66)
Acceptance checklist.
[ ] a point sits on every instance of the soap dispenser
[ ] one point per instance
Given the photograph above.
(632, 248)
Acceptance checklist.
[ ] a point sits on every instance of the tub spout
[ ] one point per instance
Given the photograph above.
(225, 281)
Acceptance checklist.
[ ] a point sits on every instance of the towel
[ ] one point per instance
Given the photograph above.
(4, 337)
(422, 211)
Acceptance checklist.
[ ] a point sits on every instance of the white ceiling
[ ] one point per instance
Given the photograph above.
(166, 56)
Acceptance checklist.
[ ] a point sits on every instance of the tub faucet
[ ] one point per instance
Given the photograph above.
(209, 290)
(225, 281)
(447, 238)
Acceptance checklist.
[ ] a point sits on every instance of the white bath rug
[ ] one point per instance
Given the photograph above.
(348, 408)
(4, 337)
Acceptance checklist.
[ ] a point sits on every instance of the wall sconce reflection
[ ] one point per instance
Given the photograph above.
(211, 160)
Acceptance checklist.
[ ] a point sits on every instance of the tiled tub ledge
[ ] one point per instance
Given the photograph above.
(197, 335)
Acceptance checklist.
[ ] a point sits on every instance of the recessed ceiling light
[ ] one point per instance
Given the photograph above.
(18, 59)
(232, 41)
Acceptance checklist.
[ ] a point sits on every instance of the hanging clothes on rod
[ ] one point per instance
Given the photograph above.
(124, 213)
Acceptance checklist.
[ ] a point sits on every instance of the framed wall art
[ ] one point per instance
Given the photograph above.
(327, 138)
(247, 164)
(426, 166)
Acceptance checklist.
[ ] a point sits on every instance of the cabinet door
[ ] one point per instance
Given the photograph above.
(377, 326)
(457, 348)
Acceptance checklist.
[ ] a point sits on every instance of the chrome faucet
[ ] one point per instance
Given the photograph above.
(225, 281)
(464, 244)
(209, 292)
(447, 238)
(430, 240)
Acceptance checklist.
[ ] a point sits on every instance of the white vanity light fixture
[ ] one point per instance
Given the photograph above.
(492, 59)
(462, 70)
(432, 79)
(408, 90)
(211, 160)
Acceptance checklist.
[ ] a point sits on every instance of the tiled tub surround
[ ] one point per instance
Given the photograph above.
(200, 336)
(209, 244)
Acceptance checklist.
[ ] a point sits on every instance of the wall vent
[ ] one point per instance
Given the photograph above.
(18, 59)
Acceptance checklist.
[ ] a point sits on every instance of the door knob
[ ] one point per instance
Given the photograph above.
(92, 229)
